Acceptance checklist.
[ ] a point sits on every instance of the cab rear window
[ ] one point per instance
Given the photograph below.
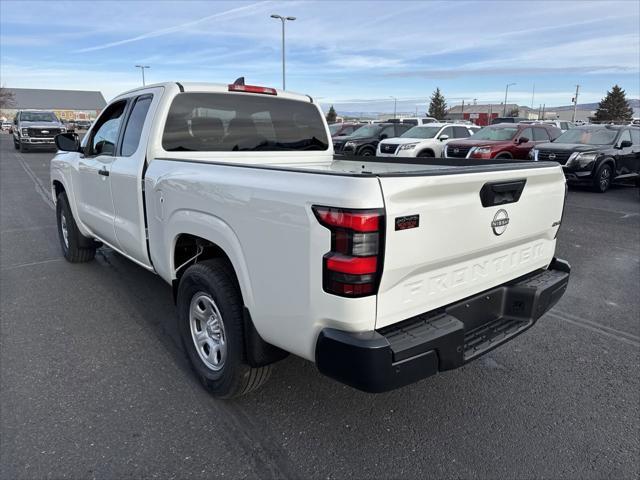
(223, 122)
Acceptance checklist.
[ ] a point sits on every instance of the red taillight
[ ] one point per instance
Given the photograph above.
(252, 89)
(354, 265)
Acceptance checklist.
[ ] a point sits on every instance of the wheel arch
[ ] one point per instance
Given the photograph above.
(427, 150)
(257, 352)
(192, 231)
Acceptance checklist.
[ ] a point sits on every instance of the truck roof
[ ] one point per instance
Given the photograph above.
(217, 88)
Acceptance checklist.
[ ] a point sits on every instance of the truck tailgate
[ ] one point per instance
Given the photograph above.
(460, 247)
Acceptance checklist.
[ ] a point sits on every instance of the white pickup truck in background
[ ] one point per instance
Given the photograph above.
(380, 273)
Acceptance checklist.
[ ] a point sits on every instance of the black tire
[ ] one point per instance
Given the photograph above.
(16, 145)
(76, 248)
(367, 152)
(215, 280)
(426, 153)
(23, 148)
(602, 178)
(504, 156)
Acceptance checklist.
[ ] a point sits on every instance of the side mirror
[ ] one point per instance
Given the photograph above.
(68, 142)
(523, 140)
(444, 137)
(625, 144)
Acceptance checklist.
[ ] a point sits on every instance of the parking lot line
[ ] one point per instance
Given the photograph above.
(600, 329)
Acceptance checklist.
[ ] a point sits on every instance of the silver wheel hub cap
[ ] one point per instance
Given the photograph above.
(207, 331)
(65, 232)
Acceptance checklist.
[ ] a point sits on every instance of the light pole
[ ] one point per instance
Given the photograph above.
(506, 92)
(283, 19)
(395, 105)
(142, 67)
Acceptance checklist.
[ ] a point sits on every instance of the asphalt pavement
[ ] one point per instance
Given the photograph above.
(94, 382)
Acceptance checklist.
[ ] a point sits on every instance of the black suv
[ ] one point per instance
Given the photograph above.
(595, 154)
(364, 141)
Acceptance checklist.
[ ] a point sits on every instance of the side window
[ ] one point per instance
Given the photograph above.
(625, 135)
(105, 133)
(635, 136)
(447, 131)
(527, 133)
(133, 130)
(387, 132)
(540, 135)
(460, 132)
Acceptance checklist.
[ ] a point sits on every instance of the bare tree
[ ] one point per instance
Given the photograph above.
(7, 99)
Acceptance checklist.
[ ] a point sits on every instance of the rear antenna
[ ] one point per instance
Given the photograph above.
(239, 81)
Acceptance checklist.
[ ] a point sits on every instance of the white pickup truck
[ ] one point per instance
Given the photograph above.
(380, 273)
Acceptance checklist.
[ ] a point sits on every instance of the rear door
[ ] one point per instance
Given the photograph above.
(460, 246)
(126, 176)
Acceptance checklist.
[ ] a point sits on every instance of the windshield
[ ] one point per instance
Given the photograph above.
(496, 133)
(421, 132)
(37, 117)
(229, 122)
(367, 131)
(588, 136)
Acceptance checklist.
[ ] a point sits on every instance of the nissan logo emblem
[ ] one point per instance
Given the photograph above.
(456, 150)
(45, 131)
(500, 222)
(552, 156)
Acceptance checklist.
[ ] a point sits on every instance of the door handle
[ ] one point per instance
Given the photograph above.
(103, 171)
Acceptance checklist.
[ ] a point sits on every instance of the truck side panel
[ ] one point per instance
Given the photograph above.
(263, 221)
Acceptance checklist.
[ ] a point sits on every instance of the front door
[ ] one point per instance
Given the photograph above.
(95, 206)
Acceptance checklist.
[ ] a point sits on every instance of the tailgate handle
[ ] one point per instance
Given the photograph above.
(501, 193)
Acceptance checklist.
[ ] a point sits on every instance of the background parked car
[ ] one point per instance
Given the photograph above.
(595, 154)
(505, 140)
(414, 120)
(6, 126)
(422, 140)
(83, 124)
(497, 120)
(561, 124)
(364, 141)
(69, 125)
(343, 129)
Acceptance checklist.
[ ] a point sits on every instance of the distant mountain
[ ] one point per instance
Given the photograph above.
(633, 103)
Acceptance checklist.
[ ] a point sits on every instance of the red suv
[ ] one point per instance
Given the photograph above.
(504, 140)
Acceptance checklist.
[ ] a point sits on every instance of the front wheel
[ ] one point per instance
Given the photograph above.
(76, 248)
(602, 179)
(367, 152)
(23, 148)
(210, 323)
(16, 144)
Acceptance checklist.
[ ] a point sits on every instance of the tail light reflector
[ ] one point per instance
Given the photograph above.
(353, 267)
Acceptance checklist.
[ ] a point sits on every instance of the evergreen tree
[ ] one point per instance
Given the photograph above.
(614, 107)
(437, 106)
(332, 115)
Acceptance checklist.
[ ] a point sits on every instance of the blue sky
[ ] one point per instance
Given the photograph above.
(338, 51)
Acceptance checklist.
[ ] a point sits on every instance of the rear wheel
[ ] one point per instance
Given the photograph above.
(76, 248)
(210, 323)
(602, 179)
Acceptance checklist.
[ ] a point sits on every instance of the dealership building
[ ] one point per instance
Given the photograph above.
(67, 104)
